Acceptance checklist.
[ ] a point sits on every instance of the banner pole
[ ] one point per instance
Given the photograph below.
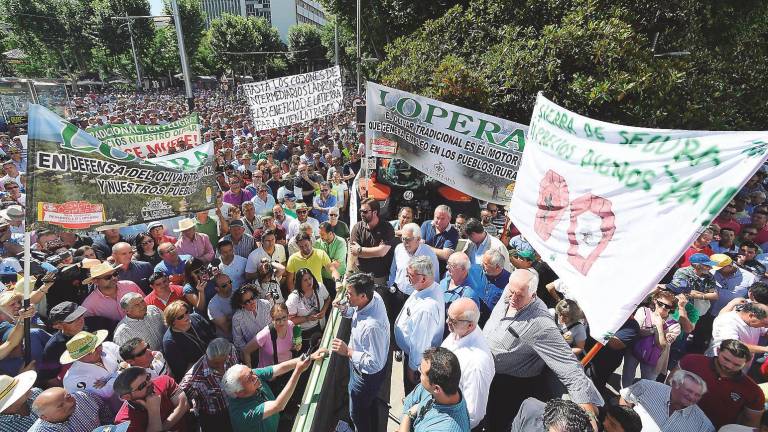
(591, 354)
(26, 303)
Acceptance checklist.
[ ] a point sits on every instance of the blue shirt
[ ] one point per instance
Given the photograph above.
(730, 287)
(325, 204)
(495, 287)
(370, 336)
(435, 417)
(169, 269)
(471, 288)
(446, 239)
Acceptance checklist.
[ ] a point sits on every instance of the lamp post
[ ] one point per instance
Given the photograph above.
(183, 55)
(359, 92)
(128, 20)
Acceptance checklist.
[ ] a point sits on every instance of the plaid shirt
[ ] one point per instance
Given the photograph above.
(202, 386)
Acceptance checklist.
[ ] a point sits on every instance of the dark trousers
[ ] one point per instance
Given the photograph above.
(215, 423)
(511, 392)
(363, 391)
(702, 334)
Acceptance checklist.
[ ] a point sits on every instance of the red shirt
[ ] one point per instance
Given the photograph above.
(733, 224)
(725, 397)
(692, 250)
(166, 387)
(177, 293)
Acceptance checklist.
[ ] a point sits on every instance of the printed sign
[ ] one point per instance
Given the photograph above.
(294, 99)
(610, 208)
(472, 152)
(142, 141)
(77, 182)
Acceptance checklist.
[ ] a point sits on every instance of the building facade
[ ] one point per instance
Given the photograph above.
(281, 14)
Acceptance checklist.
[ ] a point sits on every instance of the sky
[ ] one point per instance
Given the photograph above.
(156, 7)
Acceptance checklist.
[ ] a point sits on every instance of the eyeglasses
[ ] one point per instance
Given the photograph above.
(665, 306)
(324, 190)
(112, 276)
(407, 239)
(225, 284)
(143, 385)
(333, 215)
(452, 321)
(170, 250)
(301, 211)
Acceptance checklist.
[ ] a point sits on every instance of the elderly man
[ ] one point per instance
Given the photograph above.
(129, 269)
(263, 201)
(192, 243)
(371, 242)
(497, 277)
(252, 405)
(524, 339)
(323, 203)
(404, 217)
(94, 363)
(136, 352)
(732, 397)
(368, 350)
(747, 325)
(59, 410)
(104, 301)
(420, 322)
(481, 241)
(282, 220)
(477, 368)
(202, 384)
(440, 235)
(336, 248)
(173, 264)
(436, 405)
(669, 407)
(313, 259)
(462, 280)
(151, 405)
(142, 320)
(242, 243)
(219, 308)
(410, 247)
(254, 224)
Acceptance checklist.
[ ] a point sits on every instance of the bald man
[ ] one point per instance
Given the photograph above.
(477, 369)
(131, 270)
(57, 409)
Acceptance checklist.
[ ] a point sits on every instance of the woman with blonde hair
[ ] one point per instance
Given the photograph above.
(186, 339)
(569, 318)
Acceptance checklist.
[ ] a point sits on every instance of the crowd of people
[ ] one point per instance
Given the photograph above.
(208, 321)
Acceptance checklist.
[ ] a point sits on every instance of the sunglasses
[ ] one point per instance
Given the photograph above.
(143, 385)
(333, 215)
(225, 284)
(301, 211)
(112, 276)
(665, 306)
(452, 321)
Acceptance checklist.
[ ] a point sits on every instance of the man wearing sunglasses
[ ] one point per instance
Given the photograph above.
(151, 405)
(104, 301)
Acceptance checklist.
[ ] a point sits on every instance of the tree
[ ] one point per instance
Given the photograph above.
(192, 22)
(112, 34)
(234, 39)
(306, 46)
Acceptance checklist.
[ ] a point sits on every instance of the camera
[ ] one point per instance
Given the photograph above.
(209, 271)
(268, 267)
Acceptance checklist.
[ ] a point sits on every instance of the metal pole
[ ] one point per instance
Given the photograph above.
(183, 55)
(336, 42)
(358, 49)
(27, 262)
(135, 57)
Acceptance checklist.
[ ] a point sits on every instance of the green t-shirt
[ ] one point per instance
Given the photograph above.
(247, 414)
(693, 316)
(209, 228)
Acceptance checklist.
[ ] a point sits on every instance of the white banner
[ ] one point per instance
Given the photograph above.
(475, 153)
(144, 140)
(293, 99)
(610, 208)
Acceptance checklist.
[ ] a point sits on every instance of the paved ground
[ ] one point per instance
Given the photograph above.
(396, 395)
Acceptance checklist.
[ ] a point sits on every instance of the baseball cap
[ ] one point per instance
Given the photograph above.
(236, 222)
(65, 312)
(702, 259)
(290, 196)
(154, 224)
(721, 260)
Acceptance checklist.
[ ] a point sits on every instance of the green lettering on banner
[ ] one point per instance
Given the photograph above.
(518, 137)
(495, 128)
(431, 113)
(463, 123)
(401, 105)
(682, 191)
(716, 202)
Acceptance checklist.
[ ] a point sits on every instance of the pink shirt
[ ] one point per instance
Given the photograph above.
(199, 248)
(284, 345)
(97, 304)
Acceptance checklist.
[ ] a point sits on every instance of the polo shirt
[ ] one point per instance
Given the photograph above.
(315, 263)
(337, 251)
(137, 272)
(725, 397)
(209, 228)
(435, 417)
(446, 239)
(177, 293)
(247, 414)
(363, 235)
(166, 387)
(169, 269)
(97, 304)
(651, 400)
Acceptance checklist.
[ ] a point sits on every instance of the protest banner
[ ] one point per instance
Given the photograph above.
(475, 153)
(141, 140)
(610, 208)
(293, 99)
(76, 182)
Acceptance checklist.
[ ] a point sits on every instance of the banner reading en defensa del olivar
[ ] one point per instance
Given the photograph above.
(294, 99)
(143, 140)
(475, 153)
(76, 182)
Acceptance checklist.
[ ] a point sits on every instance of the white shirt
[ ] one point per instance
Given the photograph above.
(420, 323)
(82, 376)
(730, 326)
(651, 400)
(397, 271)
(254, 258)
(293, 228)
(477, 370)
(235, 270)
(302, 306)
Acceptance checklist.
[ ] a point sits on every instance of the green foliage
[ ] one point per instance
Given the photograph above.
(235, 34)
(113, 34)
(192, 22)
(596, 58)
(305, 40)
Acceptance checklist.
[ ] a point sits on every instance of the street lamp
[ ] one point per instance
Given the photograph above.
(128, 20)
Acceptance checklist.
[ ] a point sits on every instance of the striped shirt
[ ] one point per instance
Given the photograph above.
(89, 412)
(244, 247)
(150, 329)
(19, 423)
(523, 344)
(651, 400)
(202, 384)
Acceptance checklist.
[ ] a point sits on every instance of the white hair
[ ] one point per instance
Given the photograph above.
(230, 382)
(218, 348)
(422, 265)
(125, 301)
(533, 282)
(411, 228)
(471, 315)
(679, 376)
(443, 208)
(495, 257)
(460, 258)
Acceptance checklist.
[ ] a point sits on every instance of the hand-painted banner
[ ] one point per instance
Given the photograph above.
(76, 182)
(293, 99)
(610, 208)
(475, 153)
(141, 141)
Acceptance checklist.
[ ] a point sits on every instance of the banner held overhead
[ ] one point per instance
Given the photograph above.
(294, 99)
(76, 182)
(610, 208)
(475, 153)
(141, 141)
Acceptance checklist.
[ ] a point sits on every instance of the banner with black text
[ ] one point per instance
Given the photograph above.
(144, 140)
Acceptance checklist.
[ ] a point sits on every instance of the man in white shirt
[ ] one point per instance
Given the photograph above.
(232, 265)
(420, 323)
(746, 325)
(480, 242)
(477, 368)
(269, 249)
(94, 366)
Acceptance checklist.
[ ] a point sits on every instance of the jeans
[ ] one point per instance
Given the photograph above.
(630, 368)
(363, 391)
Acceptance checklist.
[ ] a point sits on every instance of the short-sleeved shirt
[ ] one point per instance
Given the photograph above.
(315, 263)
(177, 293)
(300, 305)
(725, 397)
(363, 235)
(446, 239)
(284, 345)
(247, 414)
(166, 387)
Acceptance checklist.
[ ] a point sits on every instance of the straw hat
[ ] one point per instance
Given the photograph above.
(100, 270)
(185, 224)
(81, 345)
(14, 388)
(13, 212)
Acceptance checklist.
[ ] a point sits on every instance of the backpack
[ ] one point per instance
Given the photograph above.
(645, 349)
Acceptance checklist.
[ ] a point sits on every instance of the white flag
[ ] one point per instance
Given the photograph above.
(610, 208)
